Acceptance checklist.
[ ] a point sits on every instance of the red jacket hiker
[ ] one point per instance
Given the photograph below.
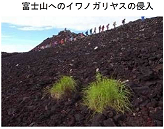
(62, 41)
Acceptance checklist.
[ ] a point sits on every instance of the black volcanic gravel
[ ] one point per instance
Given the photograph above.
(131, 52)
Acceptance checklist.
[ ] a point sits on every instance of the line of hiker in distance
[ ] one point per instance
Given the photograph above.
(101, 28)
(79, 36)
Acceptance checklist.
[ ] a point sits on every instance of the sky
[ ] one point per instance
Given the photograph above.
(21, 34)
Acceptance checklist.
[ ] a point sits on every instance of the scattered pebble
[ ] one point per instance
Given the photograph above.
(95, 48)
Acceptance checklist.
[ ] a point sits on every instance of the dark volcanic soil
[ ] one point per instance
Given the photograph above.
(131, 52)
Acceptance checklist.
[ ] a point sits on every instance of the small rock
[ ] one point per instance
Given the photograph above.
(158, 123)
(147, 75)
(96, 121)
(142, 26)
(142, 29)
(161, 61)
(32, 124)
(25, 98)
(144, 103)
(45, 116)
(70, 70)
(53, 108)
(152, 58)
(149, 84)
(71, 64)
(144, 90)
(87, 53)
(137, 101)
(78, 117)
(11, 111)
(152, 94)
(108, 114)
(122, 48)
(137, 109)
(68, 103)
(153, 103)
(95, 48)
(70, 120)
(97, 69)
(144, 111)
(160, 103)
(158, 115)
(46, 108)
(119, 117)
(131, 85)
(31, 107)
(109, 122)
(54, 117)
(126, 81)
(158, 67)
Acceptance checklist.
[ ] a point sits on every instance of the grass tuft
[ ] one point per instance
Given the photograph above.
(63, 87)
(106, 92)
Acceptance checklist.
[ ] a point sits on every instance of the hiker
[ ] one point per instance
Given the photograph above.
(103, 28)
(62, 41)
(42, 47)
(78, 36)
(48, 45)
(95, 30)
(55, 43)
(90, 31)
(82, 35)
(51, 44)
(123, 22)
(107, 27)
(36, 49)
(65, 40)
(114, 24)
(71, 39)
(75, 39)
(142, 18)
(86, 33)
(99, 28)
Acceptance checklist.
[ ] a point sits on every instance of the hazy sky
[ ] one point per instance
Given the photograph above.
(21, 34)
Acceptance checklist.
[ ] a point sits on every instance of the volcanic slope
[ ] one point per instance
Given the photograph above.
(131, 52)
(66, 34)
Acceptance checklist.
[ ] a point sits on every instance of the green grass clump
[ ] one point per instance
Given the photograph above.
(63, 87)
(106, 92)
